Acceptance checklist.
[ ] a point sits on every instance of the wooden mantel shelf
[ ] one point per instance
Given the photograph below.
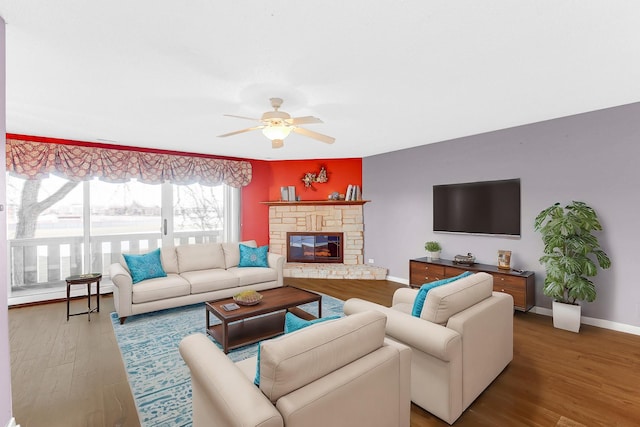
(316, 202)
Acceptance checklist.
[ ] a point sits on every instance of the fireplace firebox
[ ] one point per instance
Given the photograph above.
(314, 247)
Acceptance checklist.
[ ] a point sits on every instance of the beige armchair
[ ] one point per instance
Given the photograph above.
(337, 373)
(461, 342)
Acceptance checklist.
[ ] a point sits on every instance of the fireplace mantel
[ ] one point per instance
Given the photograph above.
(315, 202)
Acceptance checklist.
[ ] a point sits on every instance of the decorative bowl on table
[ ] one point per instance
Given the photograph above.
(249, 297)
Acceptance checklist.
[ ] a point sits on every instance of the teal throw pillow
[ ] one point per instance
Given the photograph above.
(418, 303)
(291, 324)
(143, 267)
(253, 257)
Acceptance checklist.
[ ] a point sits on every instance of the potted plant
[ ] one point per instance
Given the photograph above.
(433, 250)
(571, 252)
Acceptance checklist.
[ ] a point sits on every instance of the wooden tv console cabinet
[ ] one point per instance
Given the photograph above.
(520, 285)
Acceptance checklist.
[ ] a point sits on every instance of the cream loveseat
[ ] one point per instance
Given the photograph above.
(195, 273)
(338, 373)
(461, 342)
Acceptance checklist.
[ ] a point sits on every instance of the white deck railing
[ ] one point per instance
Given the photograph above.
(46, 262)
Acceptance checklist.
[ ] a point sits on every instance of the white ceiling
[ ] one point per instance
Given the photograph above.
(383, 75)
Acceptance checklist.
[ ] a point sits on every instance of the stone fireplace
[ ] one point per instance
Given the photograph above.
(322, 218)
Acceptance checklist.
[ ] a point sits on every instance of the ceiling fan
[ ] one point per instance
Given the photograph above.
(277, 125)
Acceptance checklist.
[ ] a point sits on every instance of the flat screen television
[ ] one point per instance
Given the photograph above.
(488, 207)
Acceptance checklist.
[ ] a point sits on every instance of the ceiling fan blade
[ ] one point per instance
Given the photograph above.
(303, 120)
(240, 131)
(314, 135)
(242, 117)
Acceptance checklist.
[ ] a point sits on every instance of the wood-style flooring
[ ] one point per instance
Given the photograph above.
(71, 374)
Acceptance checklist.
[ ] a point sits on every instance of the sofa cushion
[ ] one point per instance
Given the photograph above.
(161, 288)
(232, 252)
(253, 257)
(292, 323)
(253, 275)
(200, 256)
(418, 303)
(144, 266)
(210, 280)
(169, 259)
(297, 359)
(445, 301)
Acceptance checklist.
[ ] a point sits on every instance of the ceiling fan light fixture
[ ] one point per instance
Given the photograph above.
(277, 125)
(275, 132)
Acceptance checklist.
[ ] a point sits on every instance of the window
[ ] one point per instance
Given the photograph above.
(58, 227)
(198, 213)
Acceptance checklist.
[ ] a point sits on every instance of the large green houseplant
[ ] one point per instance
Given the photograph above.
(571, 253)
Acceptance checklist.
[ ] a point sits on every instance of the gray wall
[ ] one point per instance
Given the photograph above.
(592, 157)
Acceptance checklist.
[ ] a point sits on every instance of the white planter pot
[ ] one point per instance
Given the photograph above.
(433, 255)
(566, 316)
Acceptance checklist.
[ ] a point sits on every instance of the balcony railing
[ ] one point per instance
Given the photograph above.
(45, 262)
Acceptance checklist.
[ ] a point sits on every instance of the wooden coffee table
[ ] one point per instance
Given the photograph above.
(243, 326)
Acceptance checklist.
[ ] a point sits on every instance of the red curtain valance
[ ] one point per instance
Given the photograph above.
(34, 160)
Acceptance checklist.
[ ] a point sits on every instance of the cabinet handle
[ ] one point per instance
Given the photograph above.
(502, 290)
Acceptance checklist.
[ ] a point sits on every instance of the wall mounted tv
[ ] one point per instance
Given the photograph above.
(488, 207)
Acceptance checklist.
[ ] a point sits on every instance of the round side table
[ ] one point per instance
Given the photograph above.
(85, 279)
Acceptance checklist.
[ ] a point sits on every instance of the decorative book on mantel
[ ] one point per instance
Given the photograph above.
(353, 193)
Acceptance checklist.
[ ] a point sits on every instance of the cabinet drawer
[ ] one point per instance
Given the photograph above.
(421, 279)
(454, 271)
(506, 280)
(420, 273)
(518, 294)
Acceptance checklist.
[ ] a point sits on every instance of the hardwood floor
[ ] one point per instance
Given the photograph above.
(71, 374)
(68, 374)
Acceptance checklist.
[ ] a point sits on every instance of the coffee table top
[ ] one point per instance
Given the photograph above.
(273, 299)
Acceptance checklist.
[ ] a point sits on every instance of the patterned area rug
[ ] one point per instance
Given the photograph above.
(159, 379)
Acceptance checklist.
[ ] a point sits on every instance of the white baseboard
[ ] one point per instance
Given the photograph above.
(57, 294)
(12, 423)
(398, 280)
(601, 323)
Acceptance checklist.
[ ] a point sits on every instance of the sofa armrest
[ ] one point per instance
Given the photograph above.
(122, 289)
(430, 338)
(276, 261)
(487, 348)
(404, 296)
(222, 393)
(120, 276)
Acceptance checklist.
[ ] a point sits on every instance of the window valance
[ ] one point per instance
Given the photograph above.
(34, 160)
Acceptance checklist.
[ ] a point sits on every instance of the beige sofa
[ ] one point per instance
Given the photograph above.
(338, 373)
(195, 273)
(461, 342)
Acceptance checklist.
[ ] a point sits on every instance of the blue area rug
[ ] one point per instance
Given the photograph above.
(159, 378)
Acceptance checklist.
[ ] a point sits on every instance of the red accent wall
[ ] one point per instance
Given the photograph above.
(254, 216)
(268, 177)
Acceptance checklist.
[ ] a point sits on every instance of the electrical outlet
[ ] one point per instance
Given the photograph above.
(370, 260)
